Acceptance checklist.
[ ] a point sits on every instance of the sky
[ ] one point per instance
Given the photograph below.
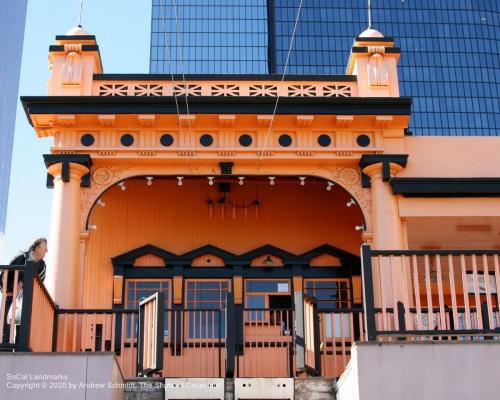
(122, 30)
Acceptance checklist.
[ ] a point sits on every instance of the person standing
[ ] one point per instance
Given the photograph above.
(35, 253)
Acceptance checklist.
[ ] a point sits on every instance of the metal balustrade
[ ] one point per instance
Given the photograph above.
(407, 295)
(437, 294)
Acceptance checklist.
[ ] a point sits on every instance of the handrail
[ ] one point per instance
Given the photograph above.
(340, 310)
(12, 267)
(45, 292)
(96, 311)
(441, 252)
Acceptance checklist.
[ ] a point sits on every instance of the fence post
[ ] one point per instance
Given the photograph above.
(230, 334)
(368, 298)
(28, 282)
(401, 317)
(55, 326)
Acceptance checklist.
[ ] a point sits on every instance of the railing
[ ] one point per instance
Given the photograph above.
(193, 342)
(408, 295)
(339, 329)
(268, 343)
(438, 294)
(10, 292)
(42, 317)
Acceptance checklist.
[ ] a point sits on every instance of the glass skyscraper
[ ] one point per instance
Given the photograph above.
(212, 37)
(12, 22)
(450, 61)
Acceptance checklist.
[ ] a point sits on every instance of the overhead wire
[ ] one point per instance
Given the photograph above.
(292, 39)
(181, 59)
(169, 48)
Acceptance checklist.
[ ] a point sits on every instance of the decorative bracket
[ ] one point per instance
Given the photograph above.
(226, 168)
(386, 160)
(66, 159)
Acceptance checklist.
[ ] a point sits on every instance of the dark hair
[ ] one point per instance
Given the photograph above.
(36, 243)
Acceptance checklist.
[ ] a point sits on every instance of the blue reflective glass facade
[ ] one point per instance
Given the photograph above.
(12, 21)
(209, 36)
(450, 62)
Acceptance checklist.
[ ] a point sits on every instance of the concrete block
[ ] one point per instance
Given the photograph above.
(264, 388)
(194, 388)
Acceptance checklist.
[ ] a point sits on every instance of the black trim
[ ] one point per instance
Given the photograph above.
(440, 332)
(128, 258)
(235, 265)
(29, 281)
(55, 329)
(226, 168)
(368, 296)
(216, 105)
(247, 272)
(343, 256)
(452, 252)
(75, 37)
(388, 50)
(66, 159)
(224, 77)
(230, 334)
(287, 257)
(231, 260)
(85, 47)
(374, 39)
(208, 249)
(446, 187)
(386, 160)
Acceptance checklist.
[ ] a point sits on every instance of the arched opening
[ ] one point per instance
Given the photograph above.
(293, 213)
(261, 238)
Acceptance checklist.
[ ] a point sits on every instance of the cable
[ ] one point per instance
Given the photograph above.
(163, 19)
(282, 79)
(179, 51)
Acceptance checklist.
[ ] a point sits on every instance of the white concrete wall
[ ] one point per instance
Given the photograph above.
(60, 376)
(423, 371)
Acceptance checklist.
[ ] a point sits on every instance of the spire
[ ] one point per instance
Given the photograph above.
(80, 14)
(369, 14)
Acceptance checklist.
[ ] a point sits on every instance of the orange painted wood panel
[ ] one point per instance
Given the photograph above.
(292, 217)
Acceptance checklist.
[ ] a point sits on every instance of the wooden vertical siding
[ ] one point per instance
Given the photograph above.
(42, 318)
(177, 218)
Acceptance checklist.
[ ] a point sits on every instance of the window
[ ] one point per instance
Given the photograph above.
(330, 293)
(140, 289)
(205, 302)
(272, 295)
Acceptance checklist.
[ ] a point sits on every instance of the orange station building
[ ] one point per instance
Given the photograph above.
(249, 201)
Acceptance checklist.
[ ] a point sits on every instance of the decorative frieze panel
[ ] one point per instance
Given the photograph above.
(226, 89)
(229, 139)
